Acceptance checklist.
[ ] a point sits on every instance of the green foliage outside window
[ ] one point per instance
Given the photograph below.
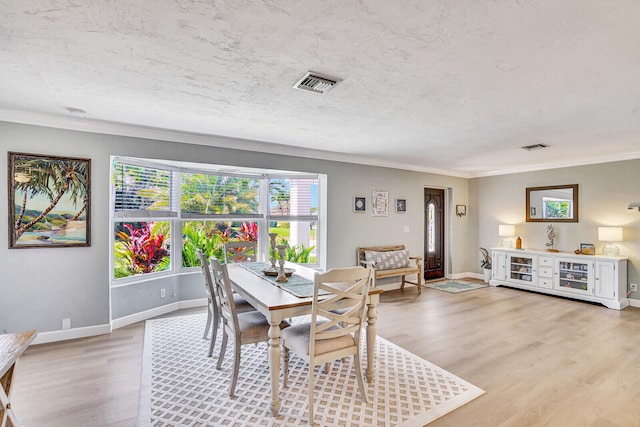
(141, 248)
(210, 237)
(557, 209)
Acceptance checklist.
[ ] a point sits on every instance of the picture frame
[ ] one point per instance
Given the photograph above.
(49, 201)
(461, 210)
(401, 205)
(359, 204)
(380, 203)
(587, 249)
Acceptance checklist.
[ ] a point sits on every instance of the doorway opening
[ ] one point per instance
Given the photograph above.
(434, 252)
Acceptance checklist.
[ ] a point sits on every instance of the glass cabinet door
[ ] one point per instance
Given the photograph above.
(575, 276)
(521, 268)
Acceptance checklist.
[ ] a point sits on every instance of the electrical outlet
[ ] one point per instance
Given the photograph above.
(66, 323)
(162, 293)
(633, 287)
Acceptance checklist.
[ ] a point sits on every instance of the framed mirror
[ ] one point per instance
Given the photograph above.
(553, 203)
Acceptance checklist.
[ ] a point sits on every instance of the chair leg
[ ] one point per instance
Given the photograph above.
(363, 391)
(206, 328)
(236, 367)
(214, 332)
(223, 348)
(403, 281)
(311, 374)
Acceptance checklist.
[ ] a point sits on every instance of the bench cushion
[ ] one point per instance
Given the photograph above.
(388, 260)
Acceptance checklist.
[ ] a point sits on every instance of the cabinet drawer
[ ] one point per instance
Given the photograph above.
(545, 271)
(545, 261)
(545, 282)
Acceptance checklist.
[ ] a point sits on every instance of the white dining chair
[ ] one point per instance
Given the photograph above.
(213, 311)
(335, 327)
(244, 328)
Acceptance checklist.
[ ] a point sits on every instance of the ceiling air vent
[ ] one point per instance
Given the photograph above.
(316, 83)
(534, 147)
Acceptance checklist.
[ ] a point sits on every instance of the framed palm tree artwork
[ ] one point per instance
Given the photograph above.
(49, 201)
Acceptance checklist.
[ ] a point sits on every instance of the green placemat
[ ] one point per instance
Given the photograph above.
(296, 284)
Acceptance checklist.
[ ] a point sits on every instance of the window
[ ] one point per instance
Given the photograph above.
(557, 208)
(157, 206)
(210, 237)
(293, 215)
(143, 208)
(218, 195)
(431, 226)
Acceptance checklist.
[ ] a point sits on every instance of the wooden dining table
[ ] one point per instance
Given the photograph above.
(278, 304)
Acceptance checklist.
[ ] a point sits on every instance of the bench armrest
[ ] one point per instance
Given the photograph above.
(368, 264)
(418, 260)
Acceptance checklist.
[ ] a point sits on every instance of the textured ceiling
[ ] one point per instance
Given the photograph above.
(454, 86)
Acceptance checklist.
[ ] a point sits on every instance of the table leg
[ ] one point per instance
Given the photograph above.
(372, 315)
(274, 364)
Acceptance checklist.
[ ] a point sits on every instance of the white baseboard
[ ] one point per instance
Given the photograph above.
(467, 275)
(156, 311)
(90, 331)
(70, 334)
(634, 302)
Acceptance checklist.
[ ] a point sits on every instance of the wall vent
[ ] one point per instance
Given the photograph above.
(534, 147)
(316, 83)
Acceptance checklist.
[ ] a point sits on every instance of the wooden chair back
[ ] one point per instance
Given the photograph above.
(240, 252)
(341, 313)
(224, 294)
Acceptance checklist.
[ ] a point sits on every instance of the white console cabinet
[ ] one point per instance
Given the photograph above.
(593, 278)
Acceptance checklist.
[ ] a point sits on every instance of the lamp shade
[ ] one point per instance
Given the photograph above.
(506, 230)
(610, 234)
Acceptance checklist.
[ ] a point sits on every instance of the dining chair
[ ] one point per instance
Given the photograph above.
(213, 311)
(244, 328)
(240, 252)
(334, 330)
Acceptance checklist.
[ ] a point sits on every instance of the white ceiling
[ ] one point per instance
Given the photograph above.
(453, 86)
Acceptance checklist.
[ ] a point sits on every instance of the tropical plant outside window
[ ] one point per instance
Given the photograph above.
(209, 210)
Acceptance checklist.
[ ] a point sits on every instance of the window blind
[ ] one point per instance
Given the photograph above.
(142, 192)
(219, 196)
(293, 198)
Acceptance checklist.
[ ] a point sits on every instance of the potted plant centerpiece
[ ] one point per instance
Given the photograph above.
(485, 263)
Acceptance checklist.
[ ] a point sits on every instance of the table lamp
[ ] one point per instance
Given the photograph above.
(610, 234)
(506, 231)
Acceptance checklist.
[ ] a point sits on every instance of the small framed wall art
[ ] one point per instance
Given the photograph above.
(461, 210)
(401, 205)
(380, 205)
(587, 249)
(359, 204)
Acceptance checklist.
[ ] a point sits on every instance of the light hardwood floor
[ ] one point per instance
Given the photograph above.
(543, 361)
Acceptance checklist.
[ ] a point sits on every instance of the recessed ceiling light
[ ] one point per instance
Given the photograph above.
(316, 83)
(534, 147)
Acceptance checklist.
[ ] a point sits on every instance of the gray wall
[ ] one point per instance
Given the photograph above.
(605, 191)
(40, 287)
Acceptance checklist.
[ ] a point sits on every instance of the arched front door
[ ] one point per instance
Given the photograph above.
(434, 233)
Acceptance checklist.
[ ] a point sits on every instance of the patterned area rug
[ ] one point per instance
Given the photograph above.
(181, 387)
(456, 286)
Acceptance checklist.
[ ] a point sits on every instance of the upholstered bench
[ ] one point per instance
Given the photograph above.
(391, 261)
